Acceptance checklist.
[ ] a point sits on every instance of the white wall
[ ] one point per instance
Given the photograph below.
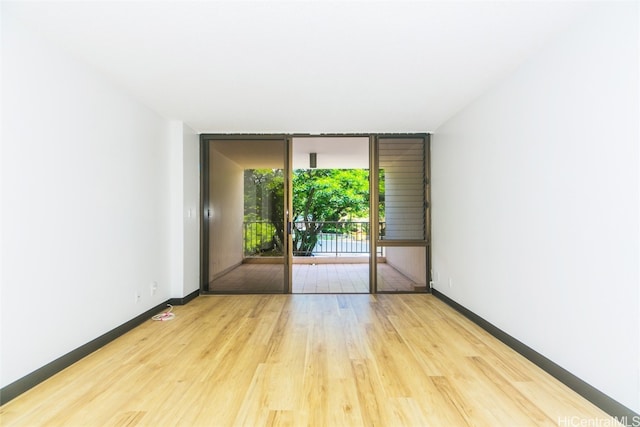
(536, 208)
(85, 175)
(191, 210)
(227, 203)
(185, 208)
(638, 176)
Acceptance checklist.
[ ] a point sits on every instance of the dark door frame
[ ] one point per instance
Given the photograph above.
(287, 138)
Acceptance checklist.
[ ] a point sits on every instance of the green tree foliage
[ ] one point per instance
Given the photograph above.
(319, 196)
(263, 211)
(323, 195)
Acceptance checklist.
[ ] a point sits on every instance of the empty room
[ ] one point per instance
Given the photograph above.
(310, 213)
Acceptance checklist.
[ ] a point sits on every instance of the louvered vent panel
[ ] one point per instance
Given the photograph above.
(402, 161)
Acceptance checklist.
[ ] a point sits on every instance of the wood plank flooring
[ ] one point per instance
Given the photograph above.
(303, 360)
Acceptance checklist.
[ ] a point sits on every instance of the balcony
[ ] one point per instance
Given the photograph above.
(337, 263)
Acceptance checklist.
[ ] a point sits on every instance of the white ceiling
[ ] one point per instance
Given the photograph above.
(331, 153)
(303, 66)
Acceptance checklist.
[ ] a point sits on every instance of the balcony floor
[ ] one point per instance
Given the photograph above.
(312, 278)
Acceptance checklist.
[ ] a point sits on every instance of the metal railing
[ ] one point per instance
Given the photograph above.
(339, 237)
(262, 238)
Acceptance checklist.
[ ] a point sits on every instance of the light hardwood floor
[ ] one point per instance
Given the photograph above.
(317, 360)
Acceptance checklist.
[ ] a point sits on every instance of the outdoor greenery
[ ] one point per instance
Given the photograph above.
(263, 204)
(319, 196)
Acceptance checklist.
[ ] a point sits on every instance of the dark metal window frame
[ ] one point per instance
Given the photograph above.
(373, 199)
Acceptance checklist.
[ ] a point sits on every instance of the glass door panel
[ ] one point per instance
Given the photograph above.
(402, 269)
(402, 168)
(245, 212)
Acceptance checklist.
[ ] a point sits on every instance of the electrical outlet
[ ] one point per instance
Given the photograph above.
(153, 287)
(450, 282)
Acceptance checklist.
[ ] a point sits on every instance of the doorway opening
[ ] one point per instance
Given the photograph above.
(331, 246)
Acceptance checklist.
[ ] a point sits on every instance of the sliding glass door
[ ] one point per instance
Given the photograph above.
(244, 201)
(315, 214)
